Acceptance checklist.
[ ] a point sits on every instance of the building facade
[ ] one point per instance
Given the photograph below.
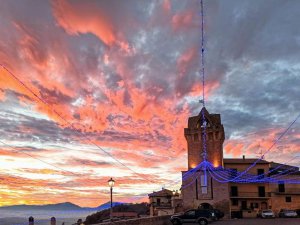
(165, 202)
(235, 199)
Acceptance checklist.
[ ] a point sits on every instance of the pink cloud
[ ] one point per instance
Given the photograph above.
(166, 6)
(81, 18)
(184, 20)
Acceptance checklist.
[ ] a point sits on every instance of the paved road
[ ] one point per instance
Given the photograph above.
(276, 221)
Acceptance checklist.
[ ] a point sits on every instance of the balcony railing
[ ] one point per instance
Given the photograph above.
(250, 195)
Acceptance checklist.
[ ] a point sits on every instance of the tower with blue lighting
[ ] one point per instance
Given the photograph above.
(204, 135)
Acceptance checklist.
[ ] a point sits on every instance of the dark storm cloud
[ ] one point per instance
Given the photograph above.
(256, 45)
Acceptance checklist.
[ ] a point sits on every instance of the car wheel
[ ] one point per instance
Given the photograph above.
(203, 222)
(176, 222)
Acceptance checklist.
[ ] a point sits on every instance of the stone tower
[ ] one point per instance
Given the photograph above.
(199, 187)
(214, 139)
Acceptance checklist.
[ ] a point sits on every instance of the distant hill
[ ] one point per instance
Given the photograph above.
(65, 206)
(140, 208)
(107, 206)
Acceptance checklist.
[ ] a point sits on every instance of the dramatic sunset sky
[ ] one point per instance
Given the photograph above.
(124, 77)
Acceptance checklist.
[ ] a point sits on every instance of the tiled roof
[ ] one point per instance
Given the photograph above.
(162, 193)
(246, 161)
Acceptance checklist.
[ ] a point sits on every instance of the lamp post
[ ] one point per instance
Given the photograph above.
(111, 183)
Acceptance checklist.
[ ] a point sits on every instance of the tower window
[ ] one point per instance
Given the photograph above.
(196, 137)
(217, 135)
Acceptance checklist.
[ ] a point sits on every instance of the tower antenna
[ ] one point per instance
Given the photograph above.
(204, 123)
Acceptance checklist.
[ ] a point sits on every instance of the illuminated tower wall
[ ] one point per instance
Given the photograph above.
(214, 139)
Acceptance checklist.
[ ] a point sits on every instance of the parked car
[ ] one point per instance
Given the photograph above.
(287, 213)
(200, 216)
(298, 212)
(268, 213)
(218, 214)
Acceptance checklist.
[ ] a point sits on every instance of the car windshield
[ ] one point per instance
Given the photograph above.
(290, 211)
(267, 211)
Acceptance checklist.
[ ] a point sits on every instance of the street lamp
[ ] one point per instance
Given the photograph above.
(111, 183)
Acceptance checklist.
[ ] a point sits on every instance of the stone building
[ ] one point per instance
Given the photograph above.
(235, 199)
(165, 202)
(161, 203)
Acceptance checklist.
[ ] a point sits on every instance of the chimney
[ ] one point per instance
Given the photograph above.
(243, 157)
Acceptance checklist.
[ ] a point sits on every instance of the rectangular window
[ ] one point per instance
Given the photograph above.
(288, 199)
(203, 181)
(254, 205)
(158, 201)
(281, 187)
(234, 202)
(210, 136)
(261, 191)
(261, 173)
(217, 135)
(196, 137)
(234, 191)
(244, 205)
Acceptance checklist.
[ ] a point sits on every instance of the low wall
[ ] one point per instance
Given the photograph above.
(155, 220)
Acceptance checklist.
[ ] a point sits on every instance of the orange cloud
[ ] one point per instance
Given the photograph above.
(9, 82)
(86, 18)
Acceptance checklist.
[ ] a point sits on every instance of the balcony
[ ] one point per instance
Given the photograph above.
(250, 195)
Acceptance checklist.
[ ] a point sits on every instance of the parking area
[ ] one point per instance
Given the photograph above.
(276, 221)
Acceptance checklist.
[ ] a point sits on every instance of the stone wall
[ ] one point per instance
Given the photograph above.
(279, 202)
(156, 220)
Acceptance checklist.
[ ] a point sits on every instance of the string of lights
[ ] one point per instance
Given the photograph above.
(244, 174)
(273, 144)
(266, 174)
(203, 125)
(227, 175)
